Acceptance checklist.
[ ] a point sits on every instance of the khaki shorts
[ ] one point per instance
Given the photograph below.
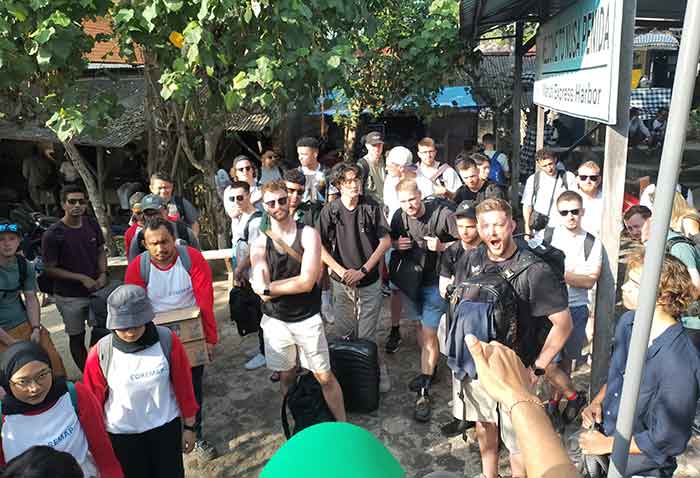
(75, 312)
(284, 339)
(480, 407)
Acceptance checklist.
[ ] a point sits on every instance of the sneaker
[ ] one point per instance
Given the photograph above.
(256, 362)
(456, 427)
(393, 342)
(573, 408)
(423, 410)
(555, 416)
(204, 450)
(384, 379)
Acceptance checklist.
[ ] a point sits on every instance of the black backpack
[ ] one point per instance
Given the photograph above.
(588, 242)
(244, 309)
(305, 400)
(493, 285)
(681, 239)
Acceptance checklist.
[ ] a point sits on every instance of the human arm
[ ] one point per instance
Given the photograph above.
(690, 226)
(686, 254)
(352, 277)
(31, 304)
(593, 413)
(90, 415)
(181, 379)
(582, 281)
(528, 203)
(203, 290)
(195, 229)
(556, 338)
(260, 272)
(101, 268)
(191, 216)
(445, 282)
(310, 267)
(505, 378)
(332, 264)
(527, 213)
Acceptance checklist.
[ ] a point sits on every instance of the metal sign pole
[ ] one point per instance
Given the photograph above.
(674, 144)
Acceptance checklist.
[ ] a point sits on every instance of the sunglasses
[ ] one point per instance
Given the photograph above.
(238, 198)
(279, 201)
(9, 227)
(244, 168)
(592, 177)
(565, 212)
(73, 202)
(295, 191)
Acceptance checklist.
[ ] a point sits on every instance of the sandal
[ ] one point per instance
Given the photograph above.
(275, 377)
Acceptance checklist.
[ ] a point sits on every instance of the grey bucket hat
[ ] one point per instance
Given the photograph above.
(128, 306)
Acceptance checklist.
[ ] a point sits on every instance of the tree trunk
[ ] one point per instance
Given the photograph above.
(93, 194)
(216, 212)
(349, 140)
(160, 124)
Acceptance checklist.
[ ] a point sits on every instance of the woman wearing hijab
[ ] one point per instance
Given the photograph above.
(141, 375)
(41, 409)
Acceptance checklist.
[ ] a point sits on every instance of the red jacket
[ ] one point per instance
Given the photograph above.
(91, 418)
(129, 236)
(180, 377)
(202, 286)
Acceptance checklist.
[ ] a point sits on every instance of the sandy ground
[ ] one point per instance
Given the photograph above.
(242, 410)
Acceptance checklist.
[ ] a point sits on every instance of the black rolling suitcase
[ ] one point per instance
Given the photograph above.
(356, 366)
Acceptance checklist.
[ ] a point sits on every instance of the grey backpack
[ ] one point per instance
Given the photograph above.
(105, 348)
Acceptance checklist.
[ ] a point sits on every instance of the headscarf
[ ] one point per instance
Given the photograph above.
(150, 337)
(14, 358)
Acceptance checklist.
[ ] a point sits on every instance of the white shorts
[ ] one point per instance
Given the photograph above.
(284, 339)
(480, 407)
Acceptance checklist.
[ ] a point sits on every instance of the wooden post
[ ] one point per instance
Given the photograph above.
(539, 142)
(614, 170)
(517, 95)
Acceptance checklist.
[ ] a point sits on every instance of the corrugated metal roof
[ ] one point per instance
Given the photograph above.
(129, 126)
(656, 40)
(477, 16)
(492, 81)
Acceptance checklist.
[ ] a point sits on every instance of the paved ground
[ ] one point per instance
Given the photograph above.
(242, 411)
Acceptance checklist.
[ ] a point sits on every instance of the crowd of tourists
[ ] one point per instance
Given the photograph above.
(315, 251)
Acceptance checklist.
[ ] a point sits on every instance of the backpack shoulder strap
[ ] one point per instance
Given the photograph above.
(441, 170)
(104, 353)
(184, 257)
(526, 259)
(678, 240)
(22, 268)
(588, 245)
(180, 205)
(73, 395)
(165, 336)
(535, 188)
(181, 230)
(246, 229)
(145, 266)
(549, 234)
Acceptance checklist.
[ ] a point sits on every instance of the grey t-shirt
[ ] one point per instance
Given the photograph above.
(12, 312)
(189, 216)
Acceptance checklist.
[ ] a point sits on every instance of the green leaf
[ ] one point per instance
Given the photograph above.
(149, 14)
(305, 11)
(232, 99)
(256, 7)
(124, 15)
(248, 14)
(38, 4)
(334, 61)
(240, 81)
(44, 35)
(203, 10)
(18, 11)
(193, 33)
(59, 18)
(173, 5)
(193, 54)
(43, 56)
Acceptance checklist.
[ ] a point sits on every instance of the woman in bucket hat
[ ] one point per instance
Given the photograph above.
(141, 375)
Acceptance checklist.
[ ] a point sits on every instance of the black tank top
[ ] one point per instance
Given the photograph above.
(289, 308)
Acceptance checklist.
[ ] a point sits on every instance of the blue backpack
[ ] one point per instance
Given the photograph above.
(496, 174)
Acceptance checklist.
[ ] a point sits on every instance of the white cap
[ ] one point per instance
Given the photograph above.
(400, 156)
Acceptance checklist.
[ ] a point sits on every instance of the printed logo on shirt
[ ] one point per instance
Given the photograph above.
(135, 377)
(476, 270)
(62, 437)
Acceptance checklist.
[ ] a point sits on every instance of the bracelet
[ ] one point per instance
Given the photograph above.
(35, 327)
(526, 400)
(189, 428)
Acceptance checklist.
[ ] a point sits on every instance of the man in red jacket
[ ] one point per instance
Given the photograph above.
(170, 285)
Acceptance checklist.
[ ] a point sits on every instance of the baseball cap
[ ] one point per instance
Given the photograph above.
(128, 306)
(400, 156)
(12, 227)
(135, 200)
(466, 209)
(152, 201)
(348, 452)
(374, 137)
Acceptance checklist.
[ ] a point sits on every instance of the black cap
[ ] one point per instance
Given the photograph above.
(466, 209)
(374, 138)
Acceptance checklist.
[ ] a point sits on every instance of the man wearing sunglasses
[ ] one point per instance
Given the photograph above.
(583, 258)
(76, 261)
(244, 170)
(286, 267)
(589, 180)
(153, 206)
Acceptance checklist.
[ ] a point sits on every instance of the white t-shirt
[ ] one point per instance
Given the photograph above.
(141, 395)
(543, 197)
(501, 158)
(592, 219)
(449, 178)
(170, 289)
(315, 189)
(573, 246)
(57, 427)
(391, 197)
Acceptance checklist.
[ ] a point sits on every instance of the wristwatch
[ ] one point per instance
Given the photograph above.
(538, 371)
(266, 291)
(364, 270)
(189, 428)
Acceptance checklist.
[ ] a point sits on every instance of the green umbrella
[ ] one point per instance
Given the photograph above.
(333, 449)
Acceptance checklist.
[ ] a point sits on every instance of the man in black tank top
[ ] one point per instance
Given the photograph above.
(286, 263)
